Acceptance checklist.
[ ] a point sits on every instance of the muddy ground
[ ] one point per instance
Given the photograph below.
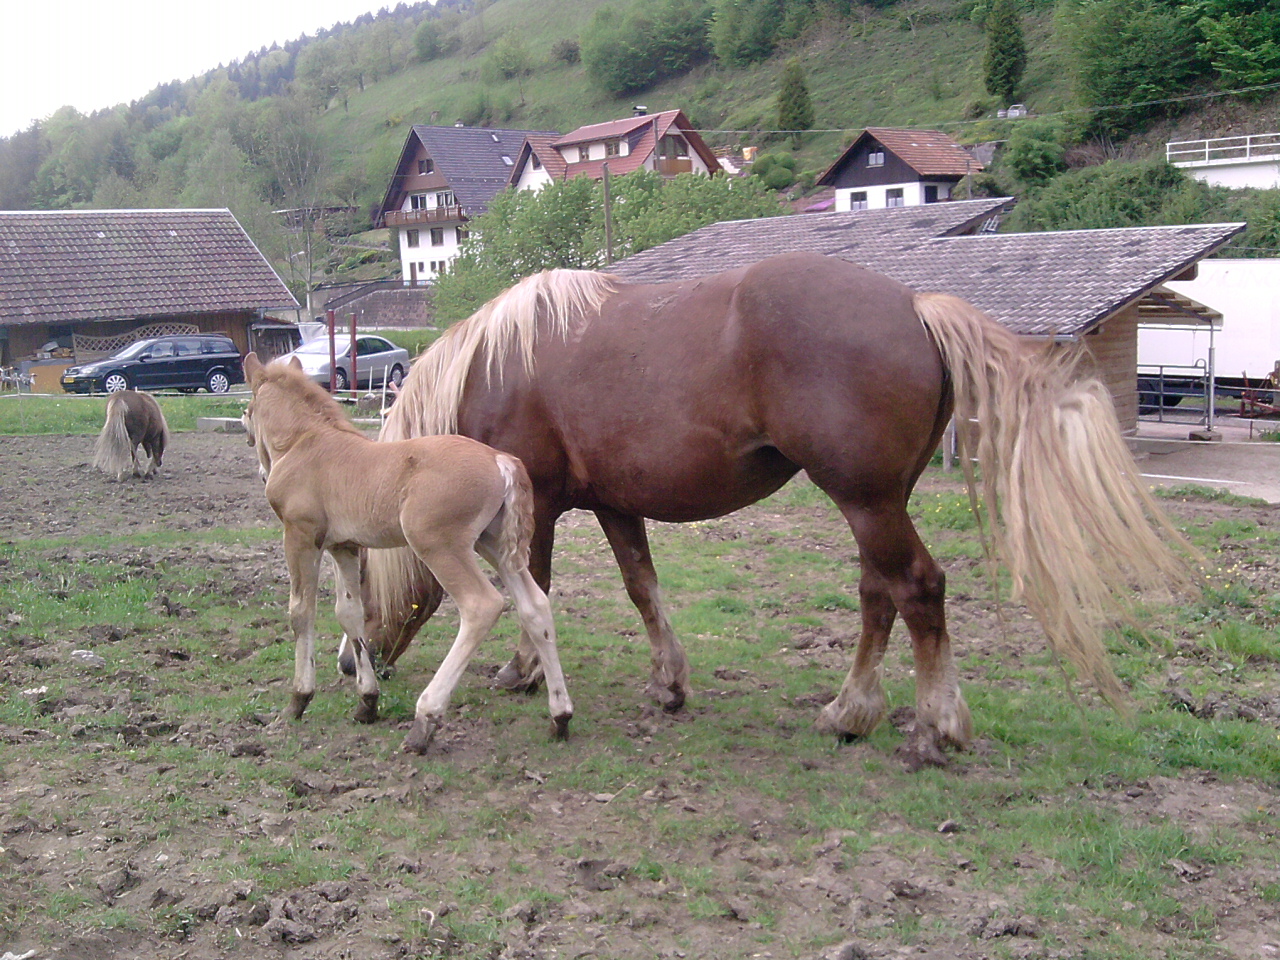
(78, 824)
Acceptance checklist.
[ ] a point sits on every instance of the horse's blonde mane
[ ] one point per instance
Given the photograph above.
(506, 325)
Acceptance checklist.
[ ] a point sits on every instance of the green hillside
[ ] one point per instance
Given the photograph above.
(321, 120)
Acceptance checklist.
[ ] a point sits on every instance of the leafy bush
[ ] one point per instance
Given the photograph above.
(1035, 151)
(631, 51)
(566, 50)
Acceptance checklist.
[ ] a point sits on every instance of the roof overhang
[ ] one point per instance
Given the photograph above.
(1163, 307)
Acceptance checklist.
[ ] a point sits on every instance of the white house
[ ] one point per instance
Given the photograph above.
(664, 142)
(445, 178)
(888, 167)
(1236, 162)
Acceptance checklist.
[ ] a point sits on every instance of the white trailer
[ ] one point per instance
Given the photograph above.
(1247, 342)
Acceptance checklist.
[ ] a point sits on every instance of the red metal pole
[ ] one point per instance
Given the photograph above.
(333, 353)
(355, 379)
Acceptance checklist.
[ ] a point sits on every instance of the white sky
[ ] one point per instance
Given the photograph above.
(92, 54)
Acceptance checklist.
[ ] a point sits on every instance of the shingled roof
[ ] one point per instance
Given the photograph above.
(59, 266)
(930, 153)
(470, 158)
(1057, 283)
(736, 243)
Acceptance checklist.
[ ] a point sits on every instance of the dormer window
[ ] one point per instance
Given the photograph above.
(613, 148)
(584, 154)
(875, 158)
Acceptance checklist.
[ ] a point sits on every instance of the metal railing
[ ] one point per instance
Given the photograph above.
(407, 218)
(1258, 146)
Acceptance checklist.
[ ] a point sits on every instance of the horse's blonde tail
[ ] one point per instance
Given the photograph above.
(517, 516)
(1067, 507)
(113, 453)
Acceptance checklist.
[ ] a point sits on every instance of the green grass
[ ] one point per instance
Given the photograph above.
(751, 775)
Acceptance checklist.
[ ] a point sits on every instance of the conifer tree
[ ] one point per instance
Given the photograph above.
(1006, 56)
(795, 109)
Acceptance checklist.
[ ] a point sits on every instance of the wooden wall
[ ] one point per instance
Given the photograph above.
(1112, 356)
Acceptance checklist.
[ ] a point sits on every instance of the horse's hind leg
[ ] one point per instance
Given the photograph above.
(350, 610)
(523, 673)
(669, 677)
(861, 703)
(479, 606)
(537, 623)
(904, 572)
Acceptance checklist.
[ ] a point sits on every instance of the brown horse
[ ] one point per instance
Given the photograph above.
(133, 420)
(443, 498)
(689, 400)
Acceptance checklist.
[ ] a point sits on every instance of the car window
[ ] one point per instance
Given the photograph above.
(162, 348)
(319, 346)
(368, 345)
(185, 348)
(133, 350)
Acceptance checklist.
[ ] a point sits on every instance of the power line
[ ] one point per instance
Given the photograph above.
(1057, 113)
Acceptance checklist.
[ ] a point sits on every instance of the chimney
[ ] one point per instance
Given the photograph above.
(639, 110)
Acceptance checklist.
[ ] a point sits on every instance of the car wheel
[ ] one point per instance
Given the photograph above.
(115, 382)
(219, 382)
(340, 380)
(397, 375)
(1148, 396)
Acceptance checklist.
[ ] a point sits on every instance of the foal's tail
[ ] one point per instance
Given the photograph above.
(517, 512)
(1069, 513)
(113, 453)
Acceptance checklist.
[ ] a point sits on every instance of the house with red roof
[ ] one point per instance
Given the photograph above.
(663, 142)
(887, 167)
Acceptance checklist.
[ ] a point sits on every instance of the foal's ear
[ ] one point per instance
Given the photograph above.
(252, 367)
(295, 363)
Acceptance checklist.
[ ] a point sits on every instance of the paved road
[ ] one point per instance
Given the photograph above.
(1250, 468)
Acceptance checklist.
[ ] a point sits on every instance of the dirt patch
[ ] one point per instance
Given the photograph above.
(563, 870)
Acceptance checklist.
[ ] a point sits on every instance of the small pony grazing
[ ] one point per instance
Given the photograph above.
(445, 498)
(133, 420)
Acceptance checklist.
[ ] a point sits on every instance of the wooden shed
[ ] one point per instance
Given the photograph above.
(79, 284)
(1086, 286)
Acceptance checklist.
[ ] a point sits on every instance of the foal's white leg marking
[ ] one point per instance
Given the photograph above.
(350, 611)
(303, 557)
(538, 624)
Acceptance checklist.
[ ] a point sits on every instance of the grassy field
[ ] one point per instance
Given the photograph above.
(132, 789)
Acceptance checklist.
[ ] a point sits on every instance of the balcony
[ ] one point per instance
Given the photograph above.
(671, 166)
(410, 218)
(1259, 146)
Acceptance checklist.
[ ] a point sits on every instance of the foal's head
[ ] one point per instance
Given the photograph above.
(286, 404)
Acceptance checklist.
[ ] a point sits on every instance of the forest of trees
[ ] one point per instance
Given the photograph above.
(246, 135)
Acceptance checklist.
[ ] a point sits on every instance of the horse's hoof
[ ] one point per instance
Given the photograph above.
(347, 663)
(298, 705)
(510, 678)
(560, 727)
(670, 699)
(420, 735)
(367, 712)
(922, 749)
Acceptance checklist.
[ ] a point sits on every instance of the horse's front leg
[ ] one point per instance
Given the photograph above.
(303, 558)
(350, 610)
(669, 680)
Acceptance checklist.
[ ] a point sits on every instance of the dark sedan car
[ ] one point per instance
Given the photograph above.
(189, 362)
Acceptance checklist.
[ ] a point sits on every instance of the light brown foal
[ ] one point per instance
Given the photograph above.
(444, 497)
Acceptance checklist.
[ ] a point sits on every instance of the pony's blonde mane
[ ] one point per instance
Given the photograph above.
(507, 325)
